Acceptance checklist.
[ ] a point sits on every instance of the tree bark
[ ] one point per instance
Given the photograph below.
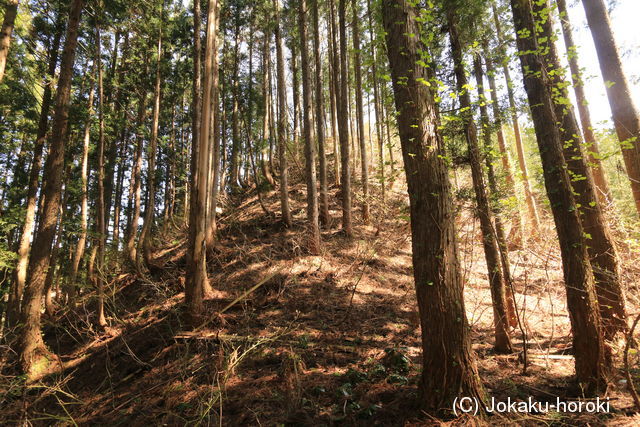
(10, 13)
(343, 124)
(20, 273)
(236, 145)
(495, 194)
(385, 114)
(272, 125)
(265, 158)
(376, 101)
(591, 145)
(532, 208)
(49, 307)
(170, 172)
(601, 247)
(19, 178)
(196, 110)
(149, 217)
(214, 150)
(31, 346)
(196, 107)
(516, 235)
(296, 99)
(135, 185)
(119, 100)
(100, 205)
(117, 210)
(197, 254)
(334, 88)
(492, 256)
(84, 204)
(282, 120)
(449, 368)
(364, 157)
(588, 343)
(309, 143)
(320, 125)
(626, 118)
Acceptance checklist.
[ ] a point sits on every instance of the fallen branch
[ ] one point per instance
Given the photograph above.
(551, 356)
(249, 292)
(222, 338)
(240, 298)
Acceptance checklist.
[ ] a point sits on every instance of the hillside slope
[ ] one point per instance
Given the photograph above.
(330, 339)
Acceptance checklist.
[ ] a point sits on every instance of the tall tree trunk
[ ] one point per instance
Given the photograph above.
(295, 82)
(252, 159)
(599, 178)
(117, 210)
(135, 185)
(236, 146)
(343, 124)
(516, 235)
(20, 273)
(219, 119)
(223, 141)
(100, 205)
(120, 104)
(601, 247)
(49, 308)
(448, 361)
(320, 115)
(334, 88)
(626, 118)
(53, 263)
(353, 132)
(149, 209)
(376, 100)
(197, 254)
(214, 150)
(309, 143)
(31, 345)
(385, 115)
(118, 152)
(364, 158)
(282, 120)
(272, 125)
(18, 179)
(532, 208)
(265, 157)
(196, 107)
(495, 193)
(170, 171)
(84, 204)
(588, 343)
(10, 13)
(491, 252)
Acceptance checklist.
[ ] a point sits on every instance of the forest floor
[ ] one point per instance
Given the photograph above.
(326, 340)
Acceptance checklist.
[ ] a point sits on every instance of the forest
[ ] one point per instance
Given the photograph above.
(318, 212)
